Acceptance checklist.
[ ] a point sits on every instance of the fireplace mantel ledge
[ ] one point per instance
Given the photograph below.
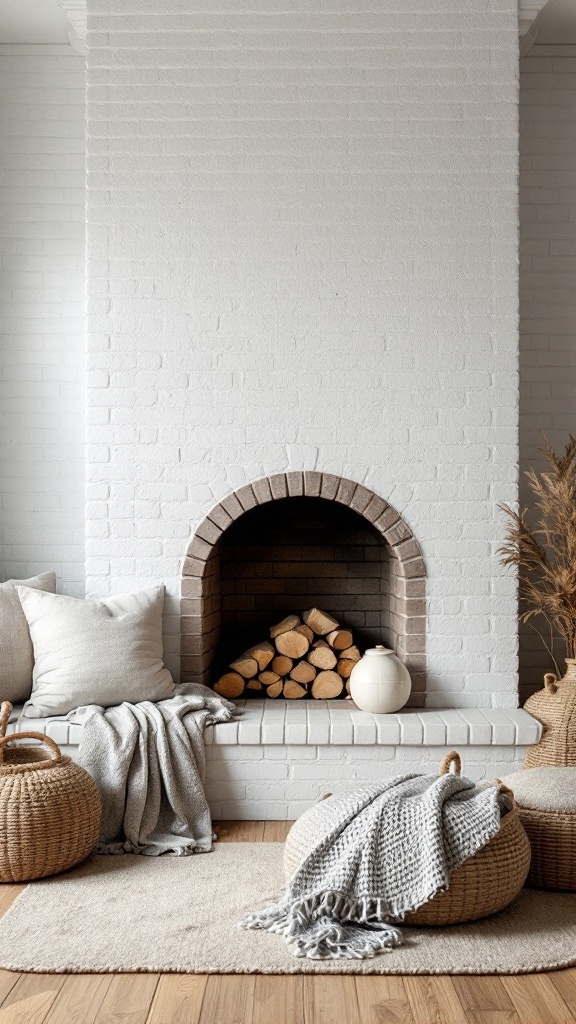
(339, 722)
(75, 11)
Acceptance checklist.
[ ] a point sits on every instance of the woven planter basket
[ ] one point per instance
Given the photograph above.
(49, 808)
(555, 707)
(483, 885)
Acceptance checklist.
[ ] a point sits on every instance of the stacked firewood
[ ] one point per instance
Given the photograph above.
(305, 656)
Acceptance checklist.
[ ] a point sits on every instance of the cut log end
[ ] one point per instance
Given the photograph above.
(340, 639)
(293, 690)
(230, 685)
(290, 622)
(344, 667)
(269, 678)
(281, 665)
(254, 684)
(351, 654)
(262, 654)
(303, 672)
(322, 656)
(292, 644)
(245, 666)
(327, 686)
(306, 631)
(275, 690)
(320, 621)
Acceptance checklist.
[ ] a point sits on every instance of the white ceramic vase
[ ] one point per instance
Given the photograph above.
(379, 682)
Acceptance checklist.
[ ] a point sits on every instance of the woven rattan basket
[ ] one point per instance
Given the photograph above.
(484, 884)
(552, 836)
(49, 808)
(555, 707)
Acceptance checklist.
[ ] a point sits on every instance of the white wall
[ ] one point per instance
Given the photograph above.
(42, 483)
(302, 242)
(42, 387)
(547, 276)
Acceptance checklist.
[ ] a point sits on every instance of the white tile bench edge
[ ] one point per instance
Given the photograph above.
(340, 723)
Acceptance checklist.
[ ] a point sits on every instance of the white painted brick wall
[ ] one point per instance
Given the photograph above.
(281, 782)
(277, 758)
(547, 277)
(42, 389)
(302, 254)
(42, 478)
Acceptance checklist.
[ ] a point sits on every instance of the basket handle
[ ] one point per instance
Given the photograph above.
(5, 740)
(5, 712)
(506, 789)
(503, 788)
(453, 758)
(550, 681)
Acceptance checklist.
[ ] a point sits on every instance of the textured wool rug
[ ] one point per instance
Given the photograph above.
(180, 914)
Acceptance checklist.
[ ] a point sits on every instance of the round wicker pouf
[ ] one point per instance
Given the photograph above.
(49, 810)
(546, 799)
(483, 885)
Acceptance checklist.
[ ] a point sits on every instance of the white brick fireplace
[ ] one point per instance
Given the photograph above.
(277, 758)
(302, 257)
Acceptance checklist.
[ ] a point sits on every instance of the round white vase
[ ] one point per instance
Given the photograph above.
(379, 682)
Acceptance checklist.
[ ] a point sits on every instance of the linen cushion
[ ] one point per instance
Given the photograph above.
(16, 655)
(544, 789)
(95, 652)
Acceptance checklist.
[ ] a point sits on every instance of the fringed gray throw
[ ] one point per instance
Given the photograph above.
(384, 851)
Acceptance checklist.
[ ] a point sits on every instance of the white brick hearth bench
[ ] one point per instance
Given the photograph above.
(279, 757)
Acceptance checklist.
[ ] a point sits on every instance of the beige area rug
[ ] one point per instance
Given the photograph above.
(179, 914)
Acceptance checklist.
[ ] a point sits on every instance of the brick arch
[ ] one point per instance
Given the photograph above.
(200, 616)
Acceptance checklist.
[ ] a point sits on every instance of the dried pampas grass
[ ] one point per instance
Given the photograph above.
(545, 552)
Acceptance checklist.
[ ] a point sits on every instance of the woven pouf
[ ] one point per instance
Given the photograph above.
(483, 885)
(49, 810)
(546, 799)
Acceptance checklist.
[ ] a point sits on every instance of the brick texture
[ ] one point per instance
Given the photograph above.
(302, 256)
(548, 283)
(281, 782)
(42, 386)
(295, 552)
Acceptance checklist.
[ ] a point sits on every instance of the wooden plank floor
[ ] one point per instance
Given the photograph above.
(294, 999)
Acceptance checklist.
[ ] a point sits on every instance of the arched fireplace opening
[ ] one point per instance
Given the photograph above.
(290, 542)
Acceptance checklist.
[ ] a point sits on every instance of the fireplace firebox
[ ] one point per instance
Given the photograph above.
(291, 541)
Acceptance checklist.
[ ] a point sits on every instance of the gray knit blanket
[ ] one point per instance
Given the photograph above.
(148, 761)
(381, 851)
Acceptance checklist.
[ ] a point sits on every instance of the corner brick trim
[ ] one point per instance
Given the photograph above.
(200, 580)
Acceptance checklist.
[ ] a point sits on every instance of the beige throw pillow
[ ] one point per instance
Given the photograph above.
(16, 655)
(95, 652)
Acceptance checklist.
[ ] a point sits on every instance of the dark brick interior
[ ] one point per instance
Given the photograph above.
(292, 540)
(291, 554)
